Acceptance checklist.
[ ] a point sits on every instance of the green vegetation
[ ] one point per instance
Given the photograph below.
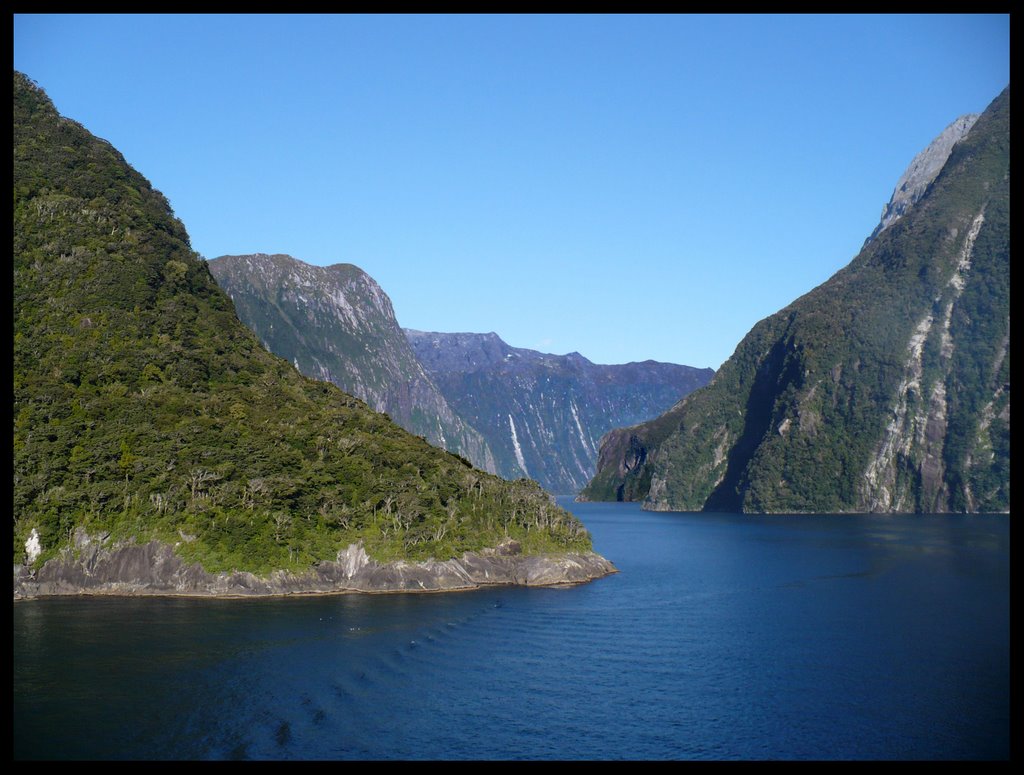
(143, 407)
(799, 415)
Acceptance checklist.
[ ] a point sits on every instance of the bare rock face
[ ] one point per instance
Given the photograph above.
(921, 172)
(93, 567)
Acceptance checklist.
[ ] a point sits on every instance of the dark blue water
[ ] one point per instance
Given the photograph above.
(723, 637)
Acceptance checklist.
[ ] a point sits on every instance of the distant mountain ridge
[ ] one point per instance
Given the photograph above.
(543, 415)
(336, 324)
(885, 389)
(511, 411)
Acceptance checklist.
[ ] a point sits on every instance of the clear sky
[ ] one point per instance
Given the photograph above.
(628, 187)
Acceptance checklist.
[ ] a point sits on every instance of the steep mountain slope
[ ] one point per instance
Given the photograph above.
(335, 323)
(145, 410)
(885, 389)
(542, 415)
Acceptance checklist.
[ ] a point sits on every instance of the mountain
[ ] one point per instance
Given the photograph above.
(922, 171)
(336, 324)
(542, 415)
(154, 433)
(885, 389)
(512, 411)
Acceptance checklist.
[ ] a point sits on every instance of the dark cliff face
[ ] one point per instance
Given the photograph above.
(885, 389)
(336, 324)
(543, 415)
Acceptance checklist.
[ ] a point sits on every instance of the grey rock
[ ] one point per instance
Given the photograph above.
(922, 171)
(93, 568)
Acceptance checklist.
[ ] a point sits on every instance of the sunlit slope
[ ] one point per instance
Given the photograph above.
(144, 408)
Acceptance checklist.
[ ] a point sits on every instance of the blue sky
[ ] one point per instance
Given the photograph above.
(628, 187)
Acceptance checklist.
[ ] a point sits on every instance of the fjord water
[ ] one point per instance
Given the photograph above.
(723, 637)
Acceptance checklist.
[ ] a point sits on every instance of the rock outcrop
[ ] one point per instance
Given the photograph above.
(97, 566)
(921, 172)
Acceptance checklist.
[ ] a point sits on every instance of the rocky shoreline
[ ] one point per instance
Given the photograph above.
(154, 569)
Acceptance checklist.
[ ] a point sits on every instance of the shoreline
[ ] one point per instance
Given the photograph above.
(154, 570)
(92, 593)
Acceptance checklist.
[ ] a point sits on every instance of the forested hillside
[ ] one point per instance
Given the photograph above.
(143, 408)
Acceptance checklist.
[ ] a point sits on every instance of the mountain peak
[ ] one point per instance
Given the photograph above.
(923, 169)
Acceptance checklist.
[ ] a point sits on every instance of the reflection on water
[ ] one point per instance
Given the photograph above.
(723, 637)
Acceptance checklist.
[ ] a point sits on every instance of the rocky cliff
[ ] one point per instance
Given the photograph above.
(543, 415)
(96, 565)
(885, 389)
(922, 171)
(336, 324)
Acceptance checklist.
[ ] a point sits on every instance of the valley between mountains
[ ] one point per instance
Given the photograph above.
(255, 424)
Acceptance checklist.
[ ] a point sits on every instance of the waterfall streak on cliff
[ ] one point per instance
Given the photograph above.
(518, 449)
(902, 432)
